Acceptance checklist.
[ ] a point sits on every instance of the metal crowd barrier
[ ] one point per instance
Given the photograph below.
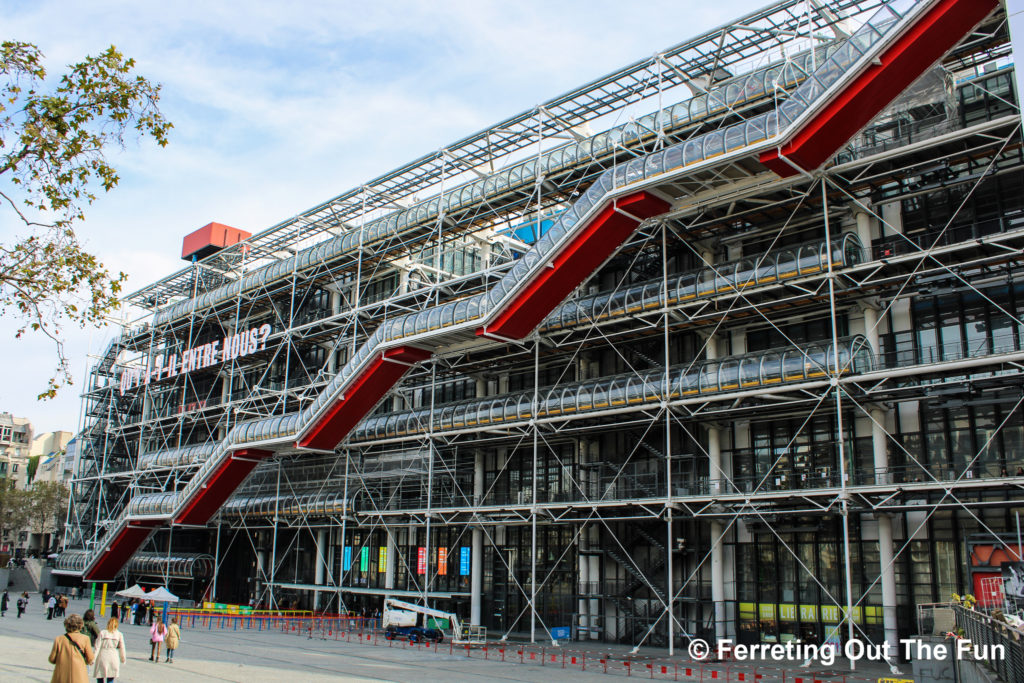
(655, 668)
(300, 623)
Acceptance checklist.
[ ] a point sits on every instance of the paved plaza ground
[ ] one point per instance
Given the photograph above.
(251, 656)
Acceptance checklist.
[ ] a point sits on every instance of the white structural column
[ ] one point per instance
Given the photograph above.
(261, 566)
(584, 579)
(885, 558)
(318, 576)
(718, 578)
(583, 543)
(412, 543)
(476, 557)
(332, 540)
(717, 527)
(476, 571)
(332, 357)
(595, 578)
(871, 327)
(714, 434)
(389, 561)
(880, 446)
(591, 539)
(879, 439)
(225, 400)
(715, 459)
(717, 533)
(865, 228)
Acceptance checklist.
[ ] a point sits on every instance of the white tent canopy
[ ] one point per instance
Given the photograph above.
(135, 591)
(161, 594)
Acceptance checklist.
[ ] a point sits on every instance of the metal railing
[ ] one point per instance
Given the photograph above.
(998, 646)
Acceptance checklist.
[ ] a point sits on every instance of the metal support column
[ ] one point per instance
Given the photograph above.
(389, 564)
(717, 531)
(318, 576)
(477, 559)
(718, 577)
(888, 573)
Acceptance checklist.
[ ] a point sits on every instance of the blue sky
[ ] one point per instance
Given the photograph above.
(278, 106)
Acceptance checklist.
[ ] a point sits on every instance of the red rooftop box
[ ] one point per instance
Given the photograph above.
(210, 239)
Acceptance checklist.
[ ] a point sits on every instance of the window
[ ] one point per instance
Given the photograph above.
(14, 468)
(5, 433)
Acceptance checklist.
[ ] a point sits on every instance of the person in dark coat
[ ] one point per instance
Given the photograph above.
(89, 627)
(4, 602)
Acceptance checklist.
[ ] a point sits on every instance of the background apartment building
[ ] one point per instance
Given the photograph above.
(15, 447)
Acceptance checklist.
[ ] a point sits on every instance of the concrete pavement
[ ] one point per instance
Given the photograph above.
(253, 656)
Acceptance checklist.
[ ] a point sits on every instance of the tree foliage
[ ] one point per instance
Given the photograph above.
(54, 139)
(15, 508)
(48, 505)
(41, 508)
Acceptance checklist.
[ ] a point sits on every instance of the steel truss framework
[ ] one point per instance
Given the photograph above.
(751, 368)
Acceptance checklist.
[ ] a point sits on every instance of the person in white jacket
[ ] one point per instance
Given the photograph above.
(110, 652)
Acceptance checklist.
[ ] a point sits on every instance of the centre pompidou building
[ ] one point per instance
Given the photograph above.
(725, 343)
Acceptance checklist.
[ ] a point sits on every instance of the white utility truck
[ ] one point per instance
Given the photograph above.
(403, 620)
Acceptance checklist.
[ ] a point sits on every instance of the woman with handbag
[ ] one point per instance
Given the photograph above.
(110, 653)
(71, 653)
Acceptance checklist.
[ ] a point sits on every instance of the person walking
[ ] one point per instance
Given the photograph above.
(89, 627)
(22, 604)
(62, 604)
(134, 612)
(51, 605)
(110, 653)
(71, 654)
(4, 602)
(157, 634)
(173, 639)
(140, 614)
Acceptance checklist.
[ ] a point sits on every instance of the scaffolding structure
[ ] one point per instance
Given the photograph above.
(727, 343)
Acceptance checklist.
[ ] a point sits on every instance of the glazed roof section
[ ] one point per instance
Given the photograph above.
(729, 50)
